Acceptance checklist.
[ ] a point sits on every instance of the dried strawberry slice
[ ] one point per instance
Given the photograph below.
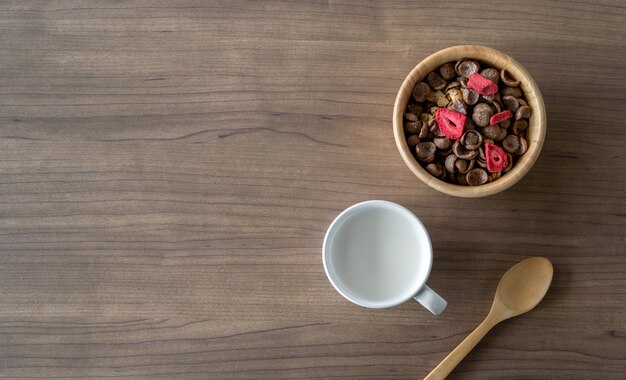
(500, 117)
(451, 123)
(496, 158)
(481, 85)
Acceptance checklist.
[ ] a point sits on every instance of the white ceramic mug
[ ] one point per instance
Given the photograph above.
(378, 254)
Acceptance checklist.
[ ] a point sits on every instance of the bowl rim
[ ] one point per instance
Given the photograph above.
(483, 54)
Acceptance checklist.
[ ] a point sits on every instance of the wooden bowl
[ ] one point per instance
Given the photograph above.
(534, 134)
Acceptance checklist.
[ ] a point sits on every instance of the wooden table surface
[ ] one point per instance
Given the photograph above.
(168, 171)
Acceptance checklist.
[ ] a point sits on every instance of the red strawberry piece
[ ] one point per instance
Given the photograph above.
(451, 123)
(500, 117)
(481, 85)
(496, 158)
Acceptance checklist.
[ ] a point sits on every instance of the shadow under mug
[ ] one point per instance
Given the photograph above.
(378, 254)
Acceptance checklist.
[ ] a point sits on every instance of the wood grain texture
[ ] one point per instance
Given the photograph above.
(168, 170)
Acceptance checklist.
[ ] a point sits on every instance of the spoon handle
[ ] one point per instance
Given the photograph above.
(454, 358)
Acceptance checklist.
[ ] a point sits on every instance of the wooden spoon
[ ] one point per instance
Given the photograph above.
(520, 289)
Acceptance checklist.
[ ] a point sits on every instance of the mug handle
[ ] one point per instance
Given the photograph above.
(430, 300)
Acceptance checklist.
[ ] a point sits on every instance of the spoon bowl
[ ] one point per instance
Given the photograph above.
(522, 287)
